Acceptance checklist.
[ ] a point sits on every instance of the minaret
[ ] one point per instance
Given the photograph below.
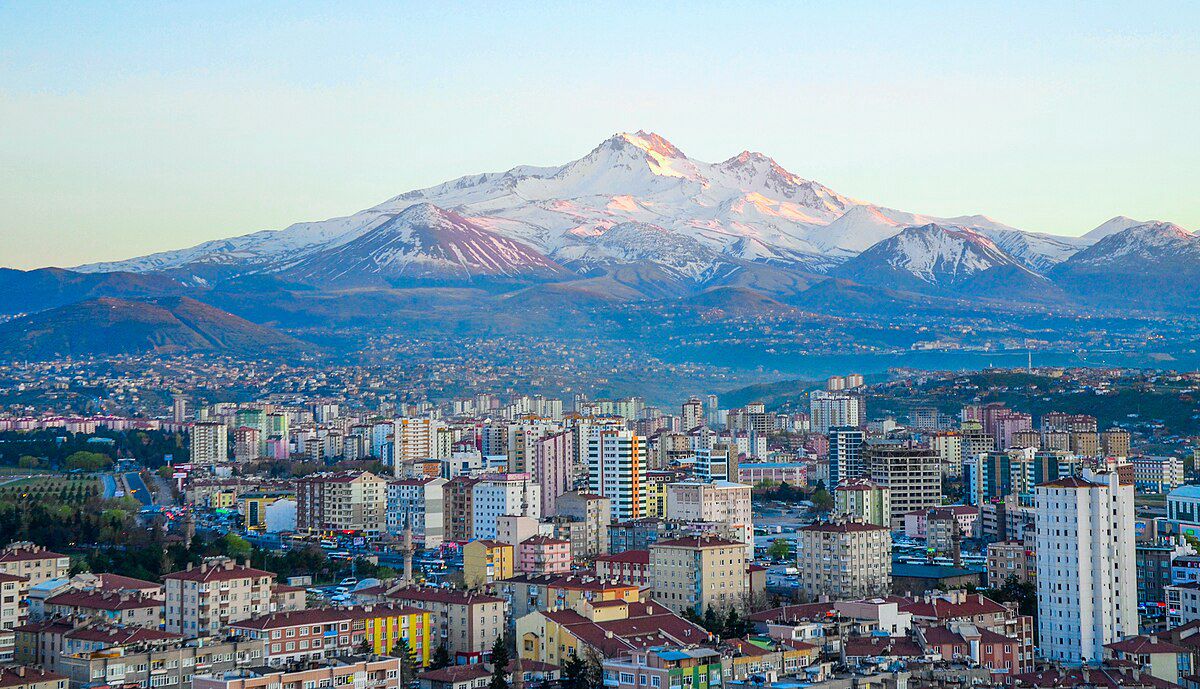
(408, 553)
(189, 528)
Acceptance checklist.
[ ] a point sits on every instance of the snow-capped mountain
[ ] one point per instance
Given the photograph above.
(746, 208)
(933, 258)
(1155, 242)
(423, 242)
(1111, 227)
(1152, 266)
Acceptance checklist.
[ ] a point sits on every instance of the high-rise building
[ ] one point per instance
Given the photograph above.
(203, 600)
(864, 501)
(179, 409)
(497, 495)
(698, 572)
(209, 443)
(719, 501)
(459, 509)
(413, 439)
(594, 513)
(417, 504)
(844, 560)
(845, 454)
(342, 501)
(693, 414)
(552, 458)
(911, 473)
(835, 409)
(1115, 442)
(1086, 578)
(949, 448)
(616, 462)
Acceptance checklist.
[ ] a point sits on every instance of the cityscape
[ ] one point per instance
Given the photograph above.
(413, 345)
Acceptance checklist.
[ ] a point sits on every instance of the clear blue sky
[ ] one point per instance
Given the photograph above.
(127, 128)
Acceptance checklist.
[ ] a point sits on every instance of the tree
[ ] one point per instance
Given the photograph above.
(499, 665)
(408, 661)
(235, 546)
(735, 626)
(28, 462)
(574, 673)
(441, 657)
(780, 549)
(87, 461)
(822, 500)
(712, 621)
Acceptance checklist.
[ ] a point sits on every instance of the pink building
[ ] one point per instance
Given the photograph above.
(1008, 423)
(916, 523)
(552, 466)
(544, 555)
(630, 567)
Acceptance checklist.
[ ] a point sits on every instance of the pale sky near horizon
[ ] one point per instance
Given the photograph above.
(128, 128)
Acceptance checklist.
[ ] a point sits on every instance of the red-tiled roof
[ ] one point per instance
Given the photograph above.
(22, 554)
(218, 572)
(637, 557)
(891, 647)
(1068, 482)
(294, 618)
(115, 636)
(104, 600)
(697, 542)
(456, 673)
(1145, 645)
(117, 581)
(17, 676)
(443, 596)
(942, 609)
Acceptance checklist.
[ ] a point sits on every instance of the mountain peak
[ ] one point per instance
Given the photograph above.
(649, 142)
(1111, 227)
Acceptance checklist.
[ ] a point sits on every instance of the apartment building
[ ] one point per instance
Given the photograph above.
(1157, 474)
(360, 672)
(664, 667)
(459, 508)
(308, 635)
(467, 623)
(717, 501)
(167, 663)
(209, 444)
(1010, 560)
(115, 607)
(616, 461)
(341, 502)
(544, 555)
(527, 593)
(911, 474)
(35, 563)
(595, 513)
(698, 572)
(206, 599)
(844, 560)
(1086, 581)
(862, 500)
(21, 677)
(486, 561)
(497, 495)
(419, 504)
(630, 567)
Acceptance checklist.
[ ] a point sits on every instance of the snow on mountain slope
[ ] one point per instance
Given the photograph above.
(1111, 227)
(746, 207)
(1151, 242)
(636, 242)
(422, 242)
(936, 255)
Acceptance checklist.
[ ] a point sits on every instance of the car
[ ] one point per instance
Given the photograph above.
(349, 581)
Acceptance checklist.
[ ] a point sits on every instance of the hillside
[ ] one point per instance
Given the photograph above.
(108, 326)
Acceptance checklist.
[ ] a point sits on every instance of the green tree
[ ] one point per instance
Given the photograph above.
(441, 657)
(87, 461)
(712, 621)
(499, 665)
(574, 673)
(235, 546)
(408, 661)
(28, 462)
(780, 549)
(821, 499)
